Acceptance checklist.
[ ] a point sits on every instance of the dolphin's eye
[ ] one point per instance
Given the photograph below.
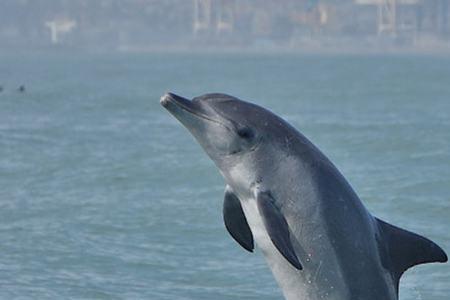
(245, 133)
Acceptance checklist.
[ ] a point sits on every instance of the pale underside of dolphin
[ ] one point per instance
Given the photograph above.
(283, 193)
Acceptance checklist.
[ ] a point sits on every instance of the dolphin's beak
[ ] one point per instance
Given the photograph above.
(183, 109)
(189, 113)
(170, 101)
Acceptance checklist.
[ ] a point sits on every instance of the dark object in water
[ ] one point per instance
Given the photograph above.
(21, 89)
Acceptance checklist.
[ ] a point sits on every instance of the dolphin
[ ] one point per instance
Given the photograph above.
(283, 193)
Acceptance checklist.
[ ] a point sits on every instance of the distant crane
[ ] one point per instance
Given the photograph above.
(387, 16)
(217, 15)
(58, 27)
(387, 22)
(225, 16)
(202, 15)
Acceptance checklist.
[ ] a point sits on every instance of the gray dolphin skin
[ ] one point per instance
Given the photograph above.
(282, 193)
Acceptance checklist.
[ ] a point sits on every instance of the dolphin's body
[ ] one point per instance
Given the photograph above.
(315, 234)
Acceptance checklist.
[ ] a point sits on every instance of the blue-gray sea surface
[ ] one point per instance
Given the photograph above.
(104, 195)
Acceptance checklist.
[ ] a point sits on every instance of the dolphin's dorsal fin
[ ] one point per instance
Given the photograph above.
(401, 249)
(235, 220)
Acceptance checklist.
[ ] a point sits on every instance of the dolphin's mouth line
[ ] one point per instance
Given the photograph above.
(196, 113)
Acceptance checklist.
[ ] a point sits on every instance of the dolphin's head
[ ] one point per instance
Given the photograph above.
(226, 127)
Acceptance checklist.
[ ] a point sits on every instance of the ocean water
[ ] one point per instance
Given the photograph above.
(103, 195)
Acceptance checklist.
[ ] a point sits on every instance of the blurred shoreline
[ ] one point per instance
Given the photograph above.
(324, 47)
(298, 26)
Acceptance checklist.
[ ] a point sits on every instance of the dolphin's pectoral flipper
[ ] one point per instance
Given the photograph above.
(235, 221)
(402, 249)
(277, 228)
